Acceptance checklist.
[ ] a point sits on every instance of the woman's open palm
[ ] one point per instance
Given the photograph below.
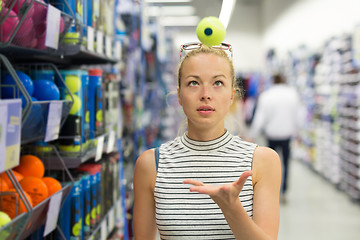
(224, 195)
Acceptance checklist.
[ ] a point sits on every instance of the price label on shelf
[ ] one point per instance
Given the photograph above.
(117, 50)
(90, 38)
(99, 42)
(99, 148)
(108, 46)
(53, 122)
(103, 231)
(10, 133)
(53, 213)
(111, 142)
(111, 220)
(52, 27)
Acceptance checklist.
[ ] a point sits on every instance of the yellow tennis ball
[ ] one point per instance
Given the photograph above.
(73, 83)
(76, 105)
(210, 31)
(4, 219)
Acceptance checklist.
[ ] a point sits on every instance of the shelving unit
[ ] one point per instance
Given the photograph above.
(15, 55)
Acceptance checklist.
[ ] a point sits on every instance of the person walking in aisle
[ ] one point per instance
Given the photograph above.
(278, 116)
(207, 183)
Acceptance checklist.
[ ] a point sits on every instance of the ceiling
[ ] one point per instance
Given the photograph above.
(205, 8)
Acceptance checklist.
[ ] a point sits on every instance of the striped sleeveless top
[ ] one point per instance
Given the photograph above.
(181, 214)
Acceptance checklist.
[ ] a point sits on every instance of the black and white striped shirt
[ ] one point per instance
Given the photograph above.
(181, 214)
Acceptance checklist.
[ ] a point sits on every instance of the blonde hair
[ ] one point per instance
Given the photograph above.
(207, 50)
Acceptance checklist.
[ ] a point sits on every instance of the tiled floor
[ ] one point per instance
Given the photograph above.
(316, 210)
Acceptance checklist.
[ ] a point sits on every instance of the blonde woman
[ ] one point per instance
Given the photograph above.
(207, 183)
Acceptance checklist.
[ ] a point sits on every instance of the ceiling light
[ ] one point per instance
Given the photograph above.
(187, 21)
(227, 8)
(170, 11)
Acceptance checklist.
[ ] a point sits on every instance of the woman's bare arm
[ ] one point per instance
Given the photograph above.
(144, 205)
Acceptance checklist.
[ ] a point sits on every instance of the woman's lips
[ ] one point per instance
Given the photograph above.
(205, 110)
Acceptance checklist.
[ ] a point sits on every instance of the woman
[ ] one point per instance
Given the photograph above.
(207, 183)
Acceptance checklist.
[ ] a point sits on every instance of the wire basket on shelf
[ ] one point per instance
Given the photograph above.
(38, 85)
(16, 205)
(23, 23)
(40, 210)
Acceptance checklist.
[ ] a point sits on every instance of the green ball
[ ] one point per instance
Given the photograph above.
(210, 31)
(75, 109)
(73, 83)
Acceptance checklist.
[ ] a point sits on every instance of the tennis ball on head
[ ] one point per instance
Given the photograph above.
(30, 165)
(73, 83)
(210, 31)
(76, 105)
(4, 219)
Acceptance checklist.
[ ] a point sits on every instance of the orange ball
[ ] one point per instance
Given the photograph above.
(30, 165)
(12, 203)
(36, 188)
(4, 177)
(3, 186)
(52, 184)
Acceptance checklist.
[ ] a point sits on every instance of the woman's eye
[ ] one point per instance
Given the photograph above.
(193, 83)
(218, 83)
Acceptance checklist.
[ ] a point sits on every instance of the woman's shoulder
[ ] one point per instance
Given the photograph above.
(266, 155)
(265, 160)
(146, 161)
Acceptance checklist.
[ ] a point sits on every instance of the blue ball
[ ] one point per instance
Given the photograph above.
(8, 92)
(45, 90)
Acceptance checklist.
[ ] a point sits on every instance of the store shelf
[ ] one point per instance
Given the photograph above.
(67, 55)
(107, 223)
(86, 152)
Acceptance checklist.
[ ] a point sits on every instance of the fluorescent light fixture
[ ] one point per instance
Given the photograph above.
(168, 1)
(187, 21)
(227, 9)
(154, 11)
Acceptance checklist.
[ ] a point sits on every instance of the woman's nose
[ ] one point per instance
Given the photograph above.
(205, 94)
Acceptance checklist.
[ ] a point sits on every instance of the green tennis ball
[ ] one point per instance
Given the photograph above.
(4, 219)
(73, 83)
(210, 31)
(75, 109)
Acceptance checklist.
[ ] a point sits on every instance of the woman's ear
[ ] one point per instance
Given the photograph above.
(233, 95)
(179, 98)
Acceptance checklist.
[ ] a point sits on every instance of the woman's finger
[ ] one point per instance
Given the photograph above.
(242, 179)
(193, 182)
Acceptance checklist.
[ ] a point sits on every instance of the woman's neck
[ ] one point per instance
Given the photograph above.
(205, 134)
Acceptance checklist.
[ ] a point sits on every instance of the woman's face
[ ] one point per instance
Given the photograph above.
(206, 91)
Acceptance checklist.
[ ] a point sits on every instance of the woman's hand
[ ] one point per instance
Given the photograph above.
(224, 195)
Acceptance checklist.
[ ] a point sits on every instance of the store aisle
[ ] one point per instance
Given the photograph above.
(316, 210)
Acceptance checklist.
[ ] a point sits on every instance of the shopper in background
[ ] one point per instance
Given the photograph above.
(277, 117)
(207, 183)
